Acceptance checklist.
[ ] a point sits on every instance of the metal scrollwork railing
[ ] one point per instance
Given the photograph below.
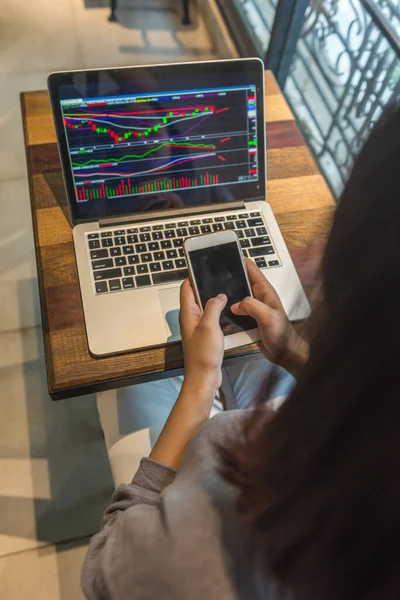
(346, 68)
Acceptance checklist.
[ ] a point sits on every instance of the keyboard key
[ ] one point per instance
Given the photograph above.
(231, 217)
(115, 252)
(102, 264)
(181, 252)
(157, 235)
(167, 265)
(118, 232)
(229, 225)
(245, 253)
(166, 244)
(120, 261)
(115, 285)
(243, 216)
(194, 231)
(273, 263)
(153, 246)
(245, 243)
(93, 244)
(168, 276)
(255, 214)
(195, 222)
(170, 226)
(261, 231)
(240, 224)
(108, 274)
(170, 234)
(262, 250)
(207, 221)
(134, 230)
(142, 269)
(101, 287)
(93, 236)
(178, 242)
(107, 242)
(159, 255)
(171, 254)
(240, 234)
(205, 229)
(182, 232)
(98, 254)
(261, 241)
(250, 233)
(106, 234)
(261, 262)
(143, 280)
(155, 267)
(120, 241)
(146, 257)
(157, 228)
(133, 259)
(128, 249)
(145, 237)
(140, 248)
(145, 228)
(217, 227)
(183, 224)
(127, 282)
(219, 219)
(255, 222)
(132, 239)
(180, 263)
(129, 271)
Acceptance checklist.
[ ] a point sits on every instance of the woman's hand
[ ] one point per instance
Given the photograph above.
(202, 339)
(279, 341)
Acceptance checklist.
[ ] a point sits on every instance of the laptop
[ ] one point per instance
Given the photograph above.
(151, 155)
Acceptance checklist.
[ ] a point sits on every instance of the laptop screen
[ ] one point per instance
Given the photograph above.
(161, 138)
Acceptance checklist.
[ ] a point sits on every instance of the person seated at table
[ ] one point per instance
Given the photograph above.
(302, 502)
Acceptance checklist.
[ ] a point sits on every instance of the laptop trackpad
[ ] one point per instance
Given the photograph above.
(169, 300)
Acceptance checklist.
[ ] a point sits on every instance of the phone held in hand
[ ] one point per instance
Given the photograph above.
(216, 266)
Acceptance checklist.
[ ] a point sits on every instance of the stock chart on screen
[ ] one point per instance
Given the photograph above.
(140, 144)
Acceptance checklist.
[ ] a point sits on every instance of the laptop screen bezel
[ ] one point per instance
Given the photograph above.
(234, 66)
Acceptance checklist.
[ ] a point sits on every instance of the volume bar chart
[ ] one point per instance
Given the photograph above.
(84, 192)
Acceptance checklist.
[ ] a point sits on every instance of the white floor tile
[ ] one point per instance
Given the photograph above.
(39, 36)
(64, 492)
(50, 573)
(19, 302)
(12, 150)
(144, 34)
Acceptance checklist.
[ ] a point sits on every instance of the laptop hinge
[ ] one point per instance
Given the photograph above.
(170, 213)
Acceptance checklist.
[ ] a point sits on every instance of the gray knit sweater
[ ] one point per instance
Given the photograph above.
(175, 535)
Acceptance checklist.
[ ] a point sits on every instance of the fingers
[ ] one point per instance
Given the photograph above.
(190, 313)
(262, 289)
(252, 307)
(213, 310)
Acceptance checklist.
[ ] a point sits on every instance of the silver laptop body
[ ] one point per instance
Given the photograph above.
(150, 156)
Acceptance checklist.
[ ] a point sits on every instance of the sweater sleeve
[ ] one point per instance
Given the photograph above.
(147, 485)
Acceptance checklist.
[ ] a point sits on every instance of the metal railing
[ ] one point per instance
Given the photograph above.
(339, 65)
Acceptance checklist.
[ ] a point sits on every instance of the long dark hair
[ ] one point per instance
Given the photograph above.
(320, 481)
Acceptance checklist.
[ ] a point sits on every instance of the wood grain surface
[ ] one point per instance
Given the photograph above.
(297, 192)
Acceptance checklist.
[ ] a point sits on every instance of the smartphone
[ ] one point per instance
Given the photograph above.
(216, 266)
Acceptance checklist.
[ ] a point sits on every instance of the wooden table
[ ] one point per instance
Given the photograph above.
(297, 192)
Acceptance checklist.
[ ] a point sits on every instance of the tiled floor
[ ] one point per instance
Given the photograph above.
(54, 475)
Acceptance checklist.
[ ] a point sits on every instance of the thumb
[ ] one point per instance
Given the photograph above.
(213, 310)
(253, 308)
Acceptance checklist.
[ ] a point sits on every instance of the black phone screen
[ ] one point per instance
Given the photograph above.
(219, 270)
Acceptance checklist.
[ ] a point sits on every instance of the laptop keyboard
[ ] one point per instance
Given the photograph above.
(146, 255)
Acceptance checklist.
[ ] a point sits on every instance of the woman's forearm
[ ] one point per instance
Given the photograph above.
(191, 409)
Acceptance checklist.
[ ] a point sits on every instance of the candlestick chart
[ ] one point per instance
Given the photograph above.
(124, 147)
